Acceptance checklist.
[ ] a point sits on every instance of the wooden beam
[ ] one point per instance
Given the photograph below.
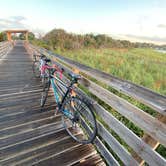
(149, 140)
(9, 32)
(9, 36)
(26, 36)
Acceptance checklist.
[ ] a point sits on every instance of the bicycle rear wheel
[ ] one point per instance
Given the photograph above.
(36, 69)
(79, 120)
(46, 87)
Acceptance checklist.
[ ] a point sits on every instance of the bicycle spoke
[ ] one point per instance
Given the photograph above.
(80, 117)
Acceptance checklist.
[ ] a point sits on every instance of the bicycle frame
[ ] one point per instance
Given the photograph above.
(56, 95)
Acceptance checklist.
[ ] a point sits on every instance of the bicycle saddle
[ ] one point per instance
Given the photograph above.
(75, 76)
(46, 60)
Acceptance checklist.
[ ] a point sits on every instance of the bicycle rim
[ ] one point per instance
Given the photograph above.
(80, 119)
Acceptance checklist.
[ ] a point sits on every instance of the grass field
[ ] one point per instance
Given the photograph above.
(145, 67)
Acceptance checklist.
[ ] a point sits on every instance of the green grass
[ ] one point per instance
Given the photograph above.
(145, 67)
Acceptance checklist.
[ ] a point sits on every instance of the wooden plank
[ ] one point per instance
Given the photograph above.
(142, 94)
(18, 93)
(101, 147)
(126, 158)
(30, 156)
(11, 152)
(73, 155)
(21, 137)
(149, 140)
(91, 161)
(15, 130)
(25, 119)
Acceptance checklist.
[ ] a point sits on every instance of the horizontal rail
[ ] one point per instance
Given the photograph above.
(5, 47)
(122, 153)
(150, 125)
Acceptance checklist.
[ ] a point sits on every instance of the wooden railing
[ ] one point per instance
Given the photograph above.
(5, 47)
(143, 149)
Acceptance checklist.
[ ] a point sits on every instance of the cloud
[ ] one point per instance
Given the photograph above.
(17, 18)
(13, 22)
(152, 39)
(161, 26)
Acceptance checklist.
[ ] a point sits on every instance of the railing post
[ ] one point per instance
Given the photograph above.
(149, 140)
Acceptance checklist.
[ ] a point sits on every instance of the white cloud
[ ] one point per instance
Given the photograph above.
(13, 22)
(162, 26)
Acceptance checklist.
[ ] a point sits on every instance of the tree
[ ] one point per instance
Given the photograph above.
(3, 36)
(31, 36)
(22, 36)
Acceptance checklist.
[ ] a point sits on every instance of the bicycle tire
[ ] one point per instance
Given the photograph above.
(85, 115)
(46, 86)
(36, 67)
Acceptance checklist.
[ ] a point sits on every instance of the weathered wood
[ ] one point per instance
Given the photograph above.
(21, 137)
(27, 126)
(139, 146)
(5, 47)
(149, 140)
(15, 150)
(91, 161)
(101, 147)
(126, 158)
(34, 154)
(78, 153)
(26, 119)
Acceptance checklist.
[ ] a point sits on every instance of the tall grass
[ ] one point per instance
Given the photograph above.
(145, 67)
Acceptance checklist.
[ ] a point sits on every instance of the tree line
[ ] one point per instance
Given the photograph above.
(60, 39)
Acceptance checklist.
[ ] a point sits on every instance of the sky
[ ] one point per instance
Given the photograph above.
(142, 20)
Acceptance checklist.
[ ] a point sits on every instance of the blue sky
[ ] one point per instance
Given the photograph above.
(133, 19)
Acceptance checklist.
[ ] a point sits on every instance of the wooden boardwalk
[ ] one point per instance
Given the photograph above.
(29, 136)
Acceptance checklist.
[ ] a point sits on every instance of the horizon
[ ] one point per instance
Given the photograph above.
(141, 21)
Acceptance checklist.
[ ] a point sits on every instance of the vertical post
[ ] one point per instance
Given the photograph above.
(9, 36)
(26, 36)
(149, 140)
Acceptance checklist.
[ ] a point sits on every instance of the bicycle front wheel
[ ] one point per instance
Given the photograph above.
(79, 120)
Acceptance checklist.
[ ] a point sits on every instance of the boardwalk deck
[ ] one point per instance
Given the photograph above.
(27, 135)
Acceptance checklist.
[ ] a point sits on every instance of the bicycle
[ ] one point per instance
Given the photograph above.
(77, 114)
(38, 62)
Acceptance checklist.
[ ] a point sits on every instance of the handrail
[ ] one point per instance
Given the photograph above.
(5, 47)
(152, 126)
